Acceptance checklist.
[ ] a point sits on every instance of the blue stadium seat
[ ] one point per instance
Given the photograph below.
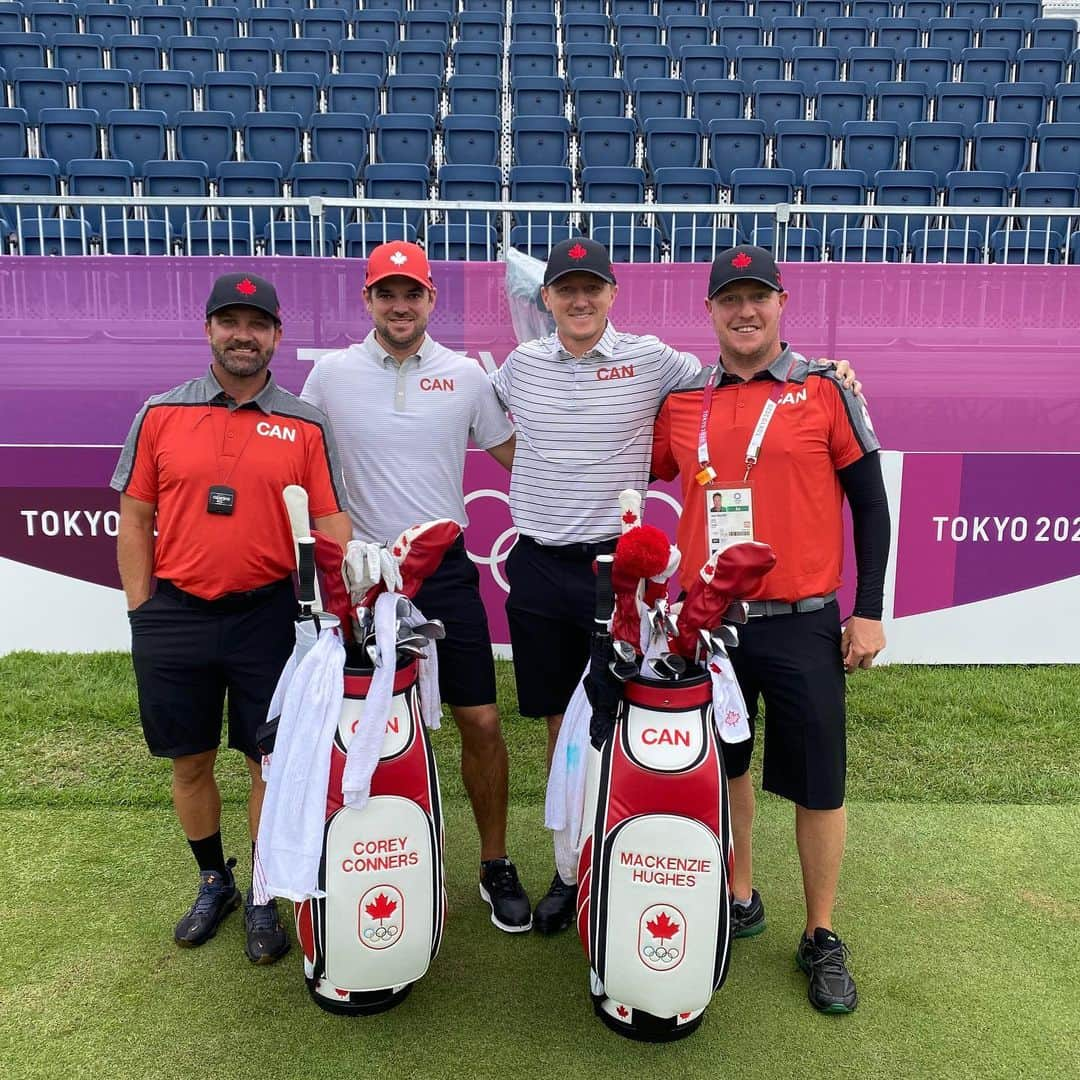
(988, 66)
(250, 55)
(540, 140)
(216, 22)
(170, 91)
(771, 10)
(726, 9)
(470, 183)
(708, 62)
(834, 187)
(839, 102)
(866, 245)
(1054, 34)
(475, 95)
(594, 60)
(637, 30)
(692, 187)
(936, 147)
(778, 100)
(898, 33)
(324, 25)
(540, 183)
(1007, 34)
(397, 183)
(537, 95)
(790, 243)
(1029, 246)
(275, 23)
(72, 52)
(736, 144)
(436, 5)
(1046, 66)
(961, 103)
(538, 60)
(1058, 147)
(973, 9)
(404, 139)
(902, 102)
(176, 180)
(923, 10)
(362, 236)
(904, 189)
(870, 145)
(327, 180)
(303, 238)
(272, 136)
(754, 62)
(480, 26)
(217, 238)
(473, 243)
(598, 96)
(194, 54)
(538, 239)
(631, 243)
(207, 136)
(308, 55)
(872, 9)
(532, 27)
(1020, 103)
(630, 7)
(104, 90)
(872, 65)
(376, 25)
(823, 9)
(607, 141)
(13, 125)
(427, 26)
(55, 236)
(659, 99)
(688, 31)
(593, 7)
(800, 145)
(351, 93)
(250, 180)
(678, 9)
(718, 99)
(137, 135)
(477, 58)
(953, 35)
(1028, 10)
(471, 140)
(161, 20)
(846, 34)
(1066, 104)
(126, 236)
(733, 31)
(816, 63)
(339, 137)
(1002, 148)
(22, 50)
(766, 187)
(367, 57)
(11, 18)
(413, 94)
(645, 62)
(1049, 190)
(51, 18)
(944, 246)
(980, 188)
(90, 178)
(38, 88)
(927, 66)
(233, 92)
(389, 5)
(420, 58)
(794, 33)
(27, 176)
(693, 244)
(673, 142)
(603, 184)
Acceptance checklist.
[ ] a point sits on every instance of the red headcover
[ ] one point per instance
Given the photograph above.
(420, 549)
(641, 552)
(335, 595)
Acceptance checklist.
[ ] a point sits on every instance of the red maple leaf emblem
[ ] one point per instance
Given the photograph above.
(662, 927)
(381, 908)
(247, 287)
(578, 251)
(622, 1010)
(342, 993)
(708, 568)
(684, 1016)
(629, 517)
(397, 550)
(741, 261)
(715, 667)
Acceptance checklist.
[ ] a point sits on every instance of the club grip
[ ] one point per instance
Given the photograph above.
(305, 571)
(605, 597)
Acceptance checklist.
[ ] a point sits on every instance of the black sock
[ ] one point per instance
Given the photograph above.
(208, 852)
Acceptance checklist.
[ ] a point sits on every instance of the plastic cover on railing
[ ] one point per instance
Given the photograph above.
(524, 276)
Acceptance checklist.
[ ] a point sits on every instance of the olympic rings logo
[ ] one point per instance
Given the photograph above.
(381, 933)
(662, 953)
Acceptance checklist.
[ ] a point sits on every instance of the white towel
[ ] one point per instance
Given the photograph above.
(366, 746)
(305, 639)
(564, 805)
(290, 839)
(729, 708)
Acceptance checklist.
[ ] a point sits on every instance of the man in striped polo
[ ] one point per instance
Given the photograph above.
(403, 409)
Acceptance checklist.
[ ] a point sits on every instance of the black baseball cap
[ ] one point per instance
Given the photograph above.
(250, 290)
(578, 253)
(744, 263)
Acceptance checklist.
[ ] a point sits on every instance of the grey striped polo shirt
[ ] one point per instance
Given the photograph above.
(584, 429)
(402, 431)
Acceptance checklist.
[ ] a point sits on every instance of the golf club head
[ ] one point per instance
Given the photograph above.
(729, 635)
(625, 652)
(433, 629)
(669, 666)
(736, 612)
(373, 653)
(623, 670)
(408, 649)
(413, 641)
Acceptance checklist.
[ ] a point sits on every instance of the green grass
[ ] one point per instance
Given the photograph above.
(960, 898)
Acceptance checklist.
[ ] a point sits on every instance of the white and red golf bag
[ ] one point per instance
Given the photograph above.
(380, 923)
(653, 876)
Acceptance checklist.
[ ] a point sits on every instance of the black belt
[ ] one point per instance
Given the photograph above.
(757, 609)
(571, 552)
(230, 602)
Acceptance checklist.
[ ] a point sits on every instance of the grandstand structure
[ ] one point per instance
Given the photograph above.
(848, 130)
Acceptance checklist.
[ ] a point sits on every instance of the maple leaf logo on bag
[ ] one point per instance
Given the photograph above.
(662, 927)
(578, 251)
(247, 287)
(382, 911)
(741, 261)
(382, 908)
(661, 937)
(623, 1011)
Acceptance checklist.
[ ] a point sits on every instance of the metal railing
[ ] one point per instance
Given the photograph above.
(482, 231)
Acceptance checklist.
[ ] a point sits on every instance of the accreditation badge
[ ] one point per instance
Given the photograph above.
(729, 515)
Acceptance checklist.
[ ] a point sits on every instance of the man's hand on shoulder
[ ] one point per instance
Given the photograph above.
(861, 641)
(846, 373)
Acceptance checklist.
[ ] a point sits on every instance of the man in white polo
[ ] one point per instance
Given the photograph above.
(403, 409)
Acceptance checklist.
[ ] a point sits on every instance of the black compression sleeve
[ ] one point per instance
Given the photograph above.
(865, 490)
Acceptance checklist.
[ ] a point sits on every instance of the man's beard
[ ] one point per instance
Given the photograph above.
(243, 368)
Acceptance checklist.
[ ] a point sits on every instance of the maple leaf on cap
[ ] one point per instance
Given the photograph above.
(741, 261)
(399, 257)
(578, 251)
(662, 927)
(381, 908)
(247, 287)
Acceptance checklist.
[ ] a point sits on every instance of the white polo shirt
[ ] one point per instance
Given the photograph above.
(584, 429)
(402, 431)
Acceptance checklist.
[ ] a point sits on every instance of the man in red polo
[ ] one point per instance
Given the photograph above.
(767, 446)
(205, 464)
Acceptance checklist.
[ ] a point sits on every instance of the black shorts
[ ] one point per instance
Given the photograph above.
(793, 662)
(550, 612)
(466, 666)
(189, 656)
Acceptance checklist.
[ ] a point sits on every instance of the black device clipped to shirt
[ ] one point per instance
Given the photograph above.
(221, 499)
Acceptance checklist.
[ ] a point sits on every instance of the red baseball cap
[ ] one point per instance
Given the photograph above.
(398, 259)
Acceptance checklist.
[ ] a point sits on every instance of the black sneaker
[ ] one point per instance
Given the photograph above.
(266, 940)
(557, 908)
(499, 886)
(824, 959)
(218, 895)
(748, 920)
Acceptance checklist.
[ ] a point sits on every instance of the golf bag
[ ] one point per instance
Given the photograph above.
(380, 923)
(654, 875)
